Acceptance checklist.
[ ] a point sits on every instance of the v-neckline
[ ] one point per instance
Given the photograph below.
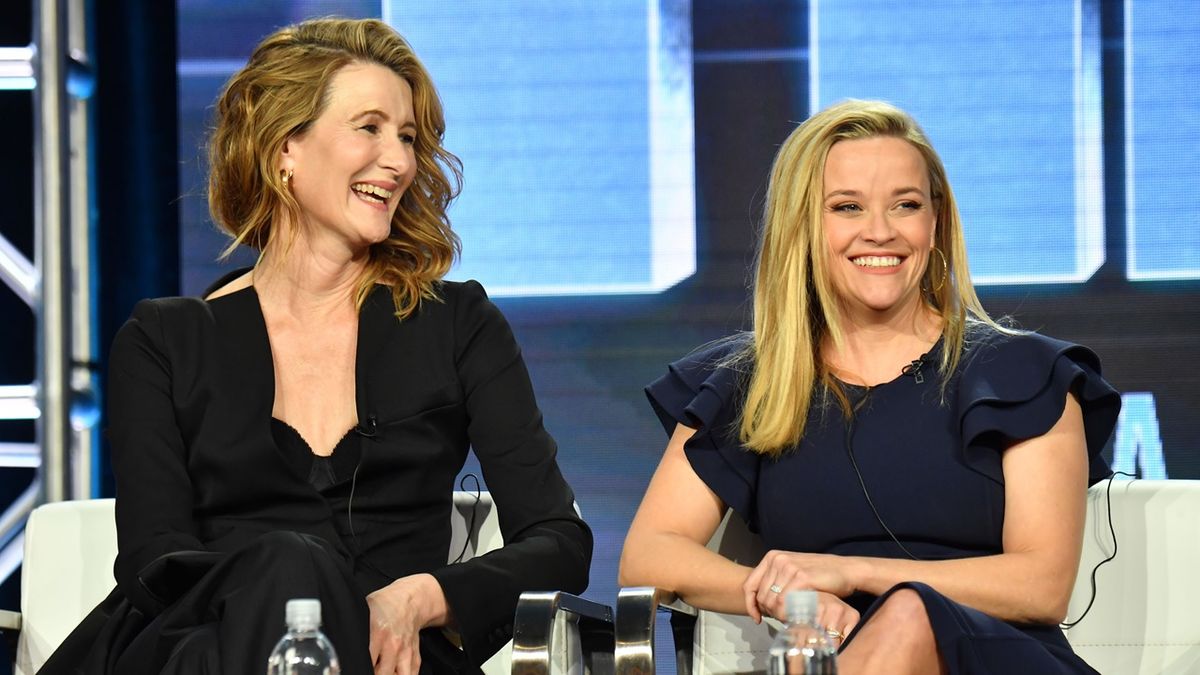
(376, 323)
(254, 303)
(308, 446)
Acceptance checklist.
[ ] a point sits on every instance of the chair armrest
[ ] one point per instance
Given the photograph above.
(637, 608)
(10, 620)
(561, 633)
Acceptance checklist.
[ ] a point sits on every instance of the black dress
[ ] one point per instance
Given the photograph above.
(931, 466)
(222, 515)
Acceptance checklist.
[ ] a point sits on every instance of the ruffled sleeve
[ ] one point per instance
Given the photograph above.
(701, 393)
(1014, 387)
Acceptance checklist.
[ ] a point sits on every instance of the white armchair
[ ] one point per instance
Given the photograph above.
(70, 548)
(1143, 621)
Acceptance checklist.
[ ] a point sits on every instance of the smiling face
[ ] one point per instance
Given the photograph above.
(879, 218)
(354, 162)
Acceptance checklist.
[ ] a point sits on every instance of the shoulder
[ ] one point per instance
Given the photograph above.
(160, 330)
(725, 358)
(1019, 359)
(453, 302)
(466, 295)
(701, 389)
(162, 316)
(462, 303)
(475, 326)
(1014, 386)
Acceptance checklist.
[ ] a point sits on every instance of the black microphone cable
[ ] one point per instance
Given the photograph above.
(369, 432)
(1113, 533)
(478, 494)
(854, 463)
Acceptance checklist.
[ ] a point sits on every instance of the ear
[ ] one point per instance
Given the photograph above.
(287, 156)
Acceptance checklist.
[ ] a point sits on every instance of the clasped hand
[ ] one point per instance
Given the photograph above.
(398, 613)
(783, 571)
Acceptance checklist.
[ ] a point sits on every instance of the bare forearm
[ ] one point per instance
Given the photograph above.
(1011, 586)
(674, 563)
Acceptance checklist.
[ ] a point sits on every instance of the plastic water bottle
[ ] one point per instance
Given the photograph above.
(304, 649)
(802, 647)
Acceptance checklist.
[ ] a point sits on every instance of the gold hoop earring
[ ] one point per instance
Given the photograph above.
(945, 269)
(286, 176)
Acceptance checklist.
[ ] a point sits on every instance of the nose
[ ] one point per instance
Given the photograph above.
(397, 157)
(878, 228)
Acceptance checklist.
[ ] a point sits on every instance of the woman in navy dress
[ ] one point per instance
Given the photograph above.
(921, 466)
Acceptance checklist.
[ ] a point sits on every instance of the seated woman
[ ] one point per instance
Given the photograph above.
(297, 432)
(920, 466)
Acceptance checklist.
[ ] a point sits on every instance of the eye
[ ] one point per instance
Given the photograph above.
(370, 128)
(911, 205)
(408, 138)
(846, 207)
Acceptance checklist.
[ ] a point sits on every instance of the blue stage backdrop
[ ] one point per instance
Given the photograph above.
(616, 157)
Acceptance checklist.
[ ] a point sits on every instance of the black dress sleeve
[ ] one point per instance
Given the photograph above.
(1014, 387)
(702, 391)
(547, 546)
(155, 528)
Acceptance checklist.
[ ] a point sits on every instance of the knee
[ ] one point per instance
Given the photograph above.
(903, 613)
(285, 555)
(197, 652)
(904, 605)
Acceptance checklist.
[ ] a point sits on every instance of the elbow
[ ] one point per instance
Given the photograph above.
(580, 550)
(626, 570)
(1050, 615)
(632, 570)
(1054, 611)
(1050, 605)
(631, 575)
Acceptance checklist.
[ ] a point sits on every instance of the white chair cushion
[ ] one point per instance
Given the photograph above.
(1144, 620)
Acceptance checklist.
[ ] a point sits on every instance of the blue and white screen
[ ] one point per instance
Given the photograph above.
(616, 156)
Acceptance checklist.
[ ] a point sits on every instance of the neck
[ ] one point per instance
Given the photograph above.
(873, 352)
(308, 281)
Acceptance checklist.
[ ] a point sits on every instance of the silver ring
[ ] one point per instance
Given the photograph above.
(776, 588)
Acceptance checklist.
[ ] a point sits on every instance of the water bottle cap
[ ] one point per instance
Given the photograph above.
(800, 605)
(303, 613)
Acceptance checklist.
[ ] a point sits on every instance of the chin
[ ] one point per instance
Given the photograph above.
(375, 236)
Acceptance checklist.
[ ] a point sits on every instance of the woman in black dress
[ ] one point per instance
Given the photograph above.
(919, 465)
(297, 431)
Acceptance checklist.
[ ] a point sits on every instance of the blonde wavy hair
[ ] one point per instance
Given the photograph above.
(795, 305)
(278, 94)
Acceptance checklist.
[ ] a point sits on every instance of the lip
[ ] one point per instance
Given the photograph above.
(877, 270)
(383, 206)
(390, 186)
(378, 206)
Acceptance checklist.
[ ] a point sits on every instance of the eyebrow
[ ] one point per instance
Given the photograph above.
(855, 193)
(375, 112)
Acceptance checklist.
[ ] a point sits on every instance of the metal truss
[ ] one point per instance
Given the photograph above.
(57, 284)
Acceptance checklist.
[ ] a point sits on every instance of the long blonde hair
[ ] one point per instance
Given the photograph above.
(278, 94)
(795, 305)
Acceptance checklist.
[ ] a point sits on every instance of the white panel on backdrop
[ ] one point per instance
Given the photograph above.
(1162, 134)
(574, 124)
(1009, 94)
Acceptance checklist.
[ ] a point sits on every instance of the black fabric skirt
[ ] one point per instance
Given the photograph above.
(231, 615)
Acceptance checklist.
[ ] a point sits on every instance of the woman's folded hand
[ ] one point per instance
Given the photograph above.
(783, 571)
(398, 613)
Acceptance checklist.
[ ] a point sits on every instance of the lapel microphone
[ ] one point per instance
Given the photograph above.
(369, 428)
(913, 370)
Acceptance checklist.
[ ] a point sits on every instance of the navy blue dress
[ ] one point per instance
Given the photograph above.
(930, 463)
